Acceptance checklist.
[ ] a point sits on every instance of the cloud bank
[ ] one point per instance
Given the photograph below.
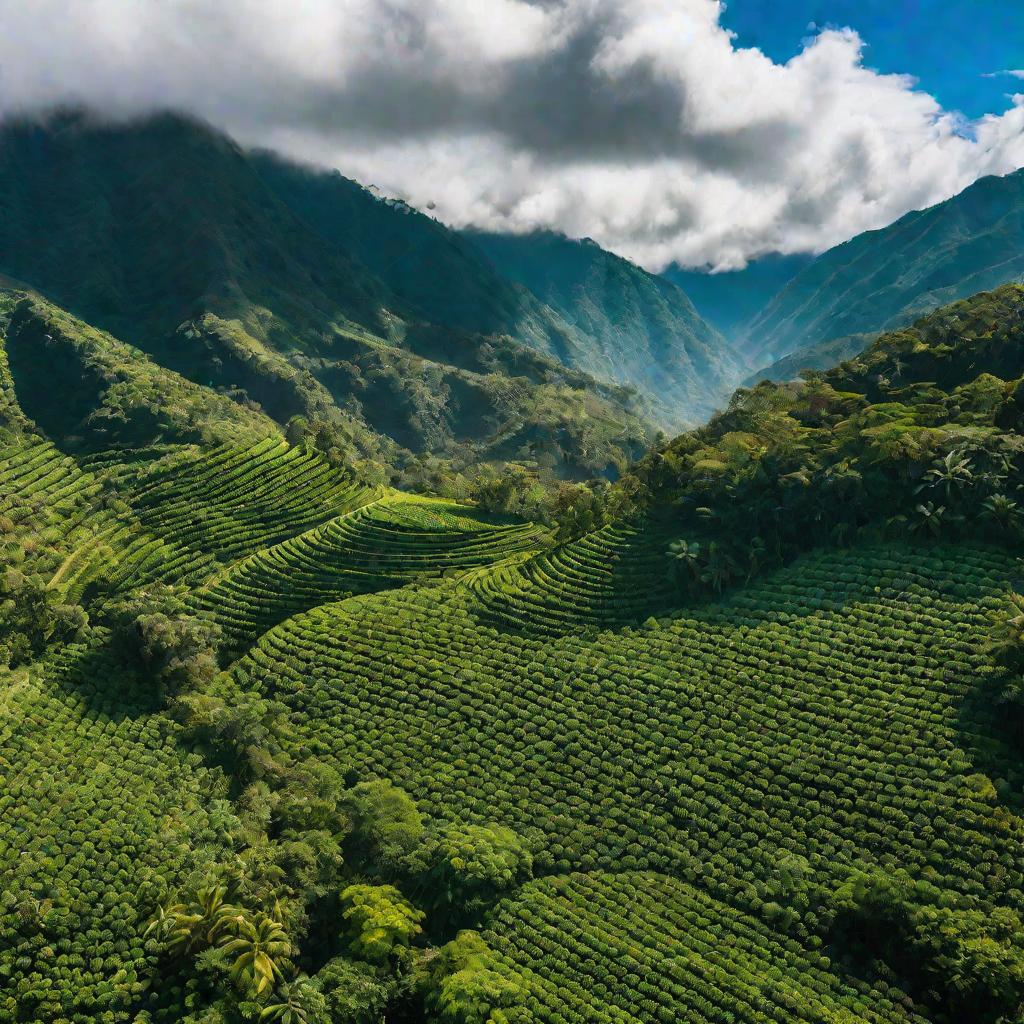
(639, 123)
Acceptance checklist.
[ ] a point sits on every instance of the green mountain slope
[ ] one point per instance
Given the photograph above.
(436, 271)
(821, 356)
(732, 298)
(167, 234)
(641, 329)
(884, 279)
(573, 301)
(742, 746)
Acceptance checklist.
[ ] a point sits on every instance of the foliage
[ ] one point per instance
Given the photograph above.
(33, 617)
(299, 1002)
(474, 864)
(382, 923)
(387, 825)
(973, 961)
(177, 651)
(644, 761)
(356, 992)
(909, 439)
(258, 947)
(463, 985)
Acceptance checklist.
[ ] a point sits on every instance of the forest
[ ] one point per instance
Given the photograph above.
(283, 743)
(410, 625)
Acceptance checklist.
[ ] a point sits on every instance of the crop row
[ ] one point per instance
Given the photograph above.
(191, 512)
(375, 547)
(819, 715)
(235, 499)
(609, 577)
(46, 500)
(646, 949)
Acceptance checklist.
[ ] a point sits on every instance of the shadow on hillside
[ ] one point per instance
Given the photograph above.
(992, 732)
(97, 677)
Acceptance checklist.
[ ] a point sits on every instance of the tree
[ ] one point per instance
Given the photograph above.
(387, 825)
(719, 567)
(474, 864)
(298, 1002)
(32, 617)
(260, 949)
(382, 922)
(513, 491)
(178, 651)
(189, 927)
(684, 561)
(356, 992)
(462, 985)
(574, 509)
(952, 474)
(931, 519)
(1001, 514)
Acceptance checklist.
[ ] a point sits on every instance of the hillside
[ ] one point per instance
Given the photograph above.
(166, 234)
(642, 329)
(821, 356)
(731, 299)
(734, 739)
(887, 278)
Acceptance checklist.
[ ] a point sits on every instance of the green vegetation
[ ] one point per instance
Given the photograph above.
(918, 435)
(642, 330)
(734, 738)
(388, 337)
(822, 356)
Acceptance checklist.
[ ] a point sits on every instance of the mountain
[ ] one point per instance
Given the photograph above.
(822, 356)
(731, 298)
(735, 738)
(642, 330)
(886, 278)
(236, 270)
(573, 301)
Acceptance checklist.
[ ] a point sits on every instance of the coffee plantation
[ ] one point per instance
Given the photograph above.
(734, 739)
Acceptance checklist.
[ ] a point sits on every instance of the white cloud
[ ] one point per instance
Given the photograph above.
(637, 122)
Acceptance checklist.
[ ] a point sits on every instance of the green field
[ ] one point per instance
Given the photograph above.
(735, 751)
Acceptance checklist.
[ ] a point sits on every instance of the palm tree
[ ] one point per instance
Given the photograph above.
(259, 949)
(931, 519)
(684, 555)
(292, 1006)
(1002, 512)
(1007, 640)
(954, 472)
(163, 922)
(215, 916)
(757, 555)
(185, 928)
(720, 567)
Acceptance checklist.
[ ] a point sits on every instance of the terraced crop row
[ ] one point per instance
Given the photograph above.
(233, 500)
(377, 546)
(101, 811)
(819, 714)
(609, 577)
(646, 949)
(192, 512)
(45, 499)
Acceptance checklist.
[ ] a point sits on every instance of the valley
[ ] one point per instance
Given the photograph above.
(402, 624)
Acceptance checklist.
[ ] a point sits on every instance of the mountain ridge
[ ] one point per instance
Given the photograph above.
(886, 278)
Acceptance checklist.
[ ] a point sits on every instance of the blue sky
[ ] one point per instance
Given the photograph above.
(947, 44)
